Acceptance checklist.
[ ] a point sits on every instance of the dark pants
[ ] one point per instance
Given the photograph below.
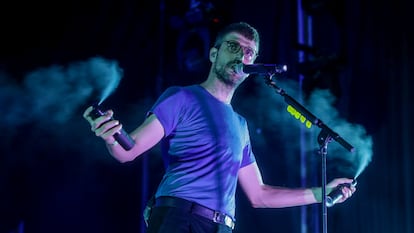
(175, 220)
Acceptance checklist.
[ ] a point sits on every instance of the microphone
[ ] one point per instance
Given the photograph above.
(261, 68)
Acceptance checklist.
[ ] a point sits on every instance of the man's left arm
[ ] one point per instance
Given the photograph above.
(261, 195)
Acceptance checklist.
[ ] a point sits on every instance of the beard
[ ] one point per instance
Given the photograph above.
(229, 79)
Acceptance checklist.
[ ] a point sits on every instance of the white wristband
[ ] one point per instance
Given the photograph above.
(114, 143)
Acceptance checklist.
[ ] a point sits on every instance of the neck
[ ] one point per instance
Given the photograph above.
(218, 89)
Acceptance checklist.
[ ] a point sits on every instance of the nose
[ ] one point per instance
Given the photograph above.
(247, 59)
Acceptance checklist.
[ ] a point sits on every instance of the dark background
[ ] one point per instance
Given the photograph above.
(349, 62)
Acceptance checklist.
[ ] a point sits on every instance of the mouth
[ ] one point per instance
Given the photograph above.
(237, 68)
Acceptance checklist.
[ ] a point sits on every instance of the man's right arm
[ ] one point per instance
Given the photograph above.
(146, 136)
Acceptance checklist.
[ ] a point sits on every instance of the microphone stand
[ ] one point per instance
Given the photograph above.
(325, 136)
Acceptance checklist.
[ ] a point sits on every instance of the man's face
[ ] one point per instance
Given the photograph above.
(234, 49)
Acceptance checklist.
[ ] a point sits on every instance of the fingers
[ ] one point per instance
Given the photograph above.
(103, 126)
(344, 180)
(339, 181)
(347, 193)
(345, 186)
(108, 128)
(96, 121)
(87, 112)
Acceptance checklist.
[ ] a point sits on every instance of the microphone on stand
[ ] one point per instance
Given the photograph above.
(261, 68)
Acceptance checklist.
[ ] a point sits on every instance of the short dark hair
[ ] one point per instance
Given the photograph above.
(243, 28)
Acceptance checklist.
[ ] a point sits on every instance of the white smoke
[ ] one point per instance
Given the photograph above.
(267, 110)
(55, 92)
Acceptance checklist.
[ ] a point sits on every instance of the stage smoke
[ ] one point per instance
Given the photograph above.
(321, 103)
(270, 115)
(55, 93)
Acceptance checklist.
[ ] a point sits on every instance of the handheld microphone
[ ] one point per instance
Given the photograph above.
(122, 137)
(333, 197)
(262, 68)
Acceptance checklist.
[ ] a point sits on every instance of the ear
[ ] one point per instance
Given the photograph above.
(213, 54)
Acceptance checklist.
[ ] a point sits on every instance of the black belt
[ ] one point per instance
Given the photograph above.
(195, 208)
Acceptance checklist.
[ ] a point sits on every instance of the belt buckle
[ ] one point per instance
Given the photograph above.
(216, 217)
(226, 220)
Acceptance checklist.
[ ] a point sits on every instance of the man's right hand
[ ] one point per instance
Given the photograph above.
(104, 126)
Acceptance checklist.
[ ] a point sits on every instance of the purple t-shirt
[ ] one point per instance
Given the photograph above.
(205, 144)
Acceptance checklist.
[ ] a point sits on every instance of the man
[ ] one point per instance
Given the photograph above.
(206, 146)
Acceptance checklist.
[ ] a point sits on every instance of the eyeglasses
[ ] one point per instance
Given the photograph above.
(234, 47)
